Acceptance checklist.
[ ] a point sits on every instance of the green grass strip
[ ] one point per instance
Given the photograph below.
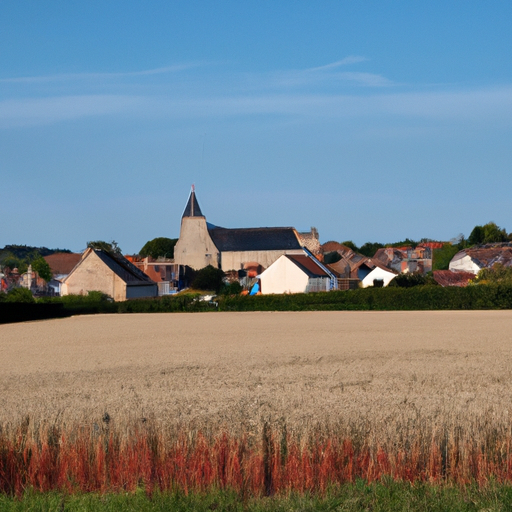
(377, 497)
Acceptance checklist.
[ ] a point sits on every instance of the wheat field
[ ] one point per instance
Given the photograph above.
(257, 402)
(233, 369)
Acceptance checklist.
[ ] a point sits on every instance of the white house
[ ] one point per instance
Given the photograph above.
(475, 259)
(296, 273)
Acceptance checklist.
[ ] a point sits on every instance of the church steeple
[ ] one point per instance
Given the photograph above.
(192, 209)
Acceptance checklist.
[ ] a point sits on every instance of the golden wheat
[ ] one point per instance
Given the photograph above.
(386, 376)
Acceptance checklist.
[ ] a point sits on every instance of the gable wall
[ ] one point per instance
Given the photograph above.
(283, 277)
(93, 274)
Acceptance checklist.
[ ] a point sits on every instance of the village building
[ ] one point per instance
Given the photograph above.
(163, 271)
(476, 258)
(201, 244)
(109, 273)
(33, 282)
(407, 259)
(296, 273)
(354, 270)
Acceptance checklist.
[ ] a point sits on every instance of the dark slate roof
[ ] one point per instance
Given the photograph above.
(127, 271)
(254, 239)
(192, 209)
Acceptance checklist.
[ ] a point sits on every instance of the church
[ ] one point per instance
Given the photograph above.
(201, 244)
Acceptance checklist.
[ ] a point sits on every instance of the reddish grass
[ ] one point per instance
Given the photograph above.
(104, 461)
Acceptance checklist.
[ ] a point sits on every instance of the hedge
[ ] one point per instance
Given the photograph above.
(378, 299)
(491, 296)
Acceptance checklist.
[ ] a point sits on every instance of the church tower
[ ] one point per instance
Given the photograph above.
(195, 247)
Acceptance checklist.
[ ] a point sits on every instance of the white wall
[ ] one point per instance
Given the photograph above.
(464, 263)
(377, 273)
(283, 276)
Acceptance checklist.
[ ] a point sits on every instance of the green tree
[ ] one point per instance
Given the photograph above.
(20, 295)
(370, 248)
(443, 256)
(209, 278)
(13, 262)
(404, 243)
(496, 274)
(110, 247)
(332, 257)
(487, 234)
(159, 247)
(408, 280)
(40, 265)
(351, 245)
(234, 288)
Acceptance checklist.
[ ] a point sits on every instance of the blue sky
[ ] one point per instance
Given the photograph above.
(373, 121)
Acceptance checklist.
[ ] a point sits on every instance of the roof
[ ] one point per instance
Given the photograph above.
(254, 239)
(387, 254)
(127, 271)
(332, 246)
(62, 263)
(488, 255)
(432, 245)
(192, 209)
(341, 268)
(308, 265)
(452, 278)
(352, 264)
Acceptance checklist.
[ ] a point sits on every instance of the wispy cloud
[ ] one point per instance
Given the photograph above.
(351, 59)
(30, 112)
(328, 91)
(483, 105)
(98, 76)
(328, 74)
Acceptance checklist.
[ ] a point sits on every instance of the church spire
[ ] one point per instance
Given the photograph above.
(192, 209)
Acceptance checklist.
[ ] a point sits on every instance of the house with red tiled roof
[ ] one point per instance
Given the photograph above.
(296, 273)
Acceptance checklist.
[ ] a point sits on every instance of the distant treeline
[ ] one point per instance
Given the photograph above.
(490, 296)
(21, 256)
